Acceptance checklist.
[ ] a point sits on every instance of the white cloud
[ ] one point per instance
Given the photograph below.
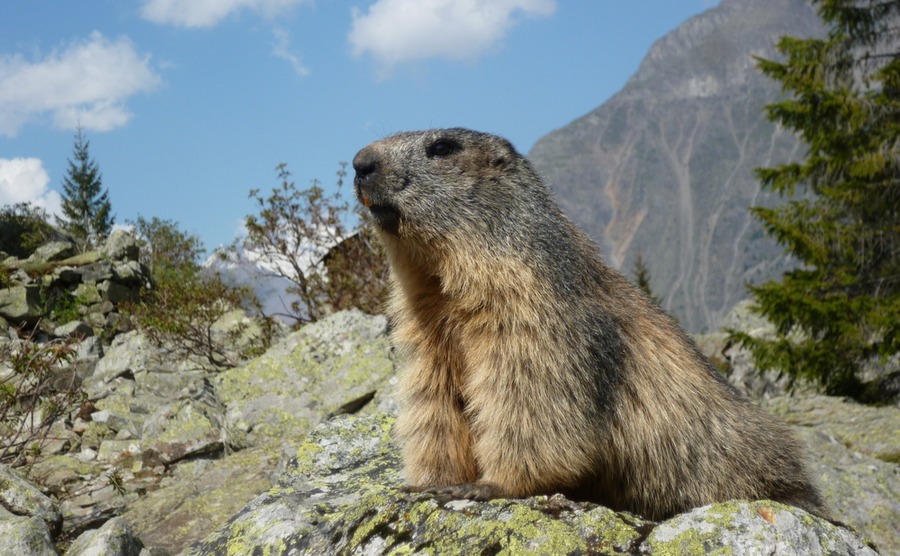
(282, 49)
(206, 13)
(24, 180)
(87, 82)
(395, 31)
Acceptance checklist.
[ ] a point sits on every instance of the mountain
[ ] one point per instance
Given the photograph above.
(263, 275)
(665, 167)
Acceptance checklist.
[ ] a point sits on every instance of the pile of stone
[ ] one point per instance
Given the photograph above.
(95, 283)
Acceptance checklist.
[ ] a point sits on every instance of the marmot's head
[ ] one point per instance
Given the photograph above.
(426, 184)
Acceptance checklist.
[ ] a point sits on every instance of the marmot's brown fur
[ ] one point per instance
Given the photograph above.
(531, 367)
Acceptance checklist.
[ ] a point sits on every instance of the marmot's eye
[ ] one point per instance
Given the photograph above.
(442, 148)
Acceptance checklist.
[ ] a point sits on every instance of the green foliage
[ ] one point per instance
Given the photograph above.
(62, 306)
(86, 209)
(23, 228)
(303, 232)
(184, 308)
(38, 387)
(166, 247)
(642, 278)
(841, 307)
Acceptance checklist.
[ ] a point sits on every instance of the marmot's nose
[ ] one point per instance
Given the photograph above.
(365, 163)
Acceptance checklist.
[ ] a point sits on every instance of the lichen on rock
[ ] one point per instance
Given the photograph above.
(343, 494)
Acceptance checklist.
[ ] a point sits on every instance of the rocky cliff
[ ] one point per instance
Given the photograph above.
(665, 167)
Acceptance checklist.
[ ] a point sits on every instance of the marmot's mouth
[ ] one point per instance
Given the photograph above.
(386, 216)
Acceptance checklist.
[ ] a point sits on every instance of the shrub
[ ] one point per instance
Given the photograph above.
(182, 310)
(38, 386)
(23, 228)
(303, 236)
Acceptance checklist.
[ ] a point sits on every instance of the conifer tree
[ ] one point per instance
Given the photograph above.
(642, 278)
(841, 306)
(86, 210)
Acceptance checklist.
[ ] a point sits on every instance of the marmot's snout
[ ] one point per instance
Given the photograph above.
(371, 190)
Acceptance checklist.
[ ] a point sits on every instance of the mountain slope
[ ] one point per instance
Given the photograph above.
(665, 167)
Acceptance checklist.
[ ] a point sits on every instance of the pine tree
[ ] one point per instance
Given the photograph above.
(86, 209)
(642, 278)
(841, 306)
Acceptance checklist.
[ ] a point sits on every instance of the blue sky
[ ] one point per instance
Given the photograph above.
(189, 104)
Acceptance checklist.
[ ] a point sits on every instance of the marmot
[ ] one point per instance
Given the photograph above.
(532, 367)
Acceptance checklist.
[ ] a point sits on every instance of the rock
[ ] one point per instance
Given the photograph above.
(114, 538)
(60, 472)
(83, 259)
(25, 536)
(760, 527)
(53, 251)
(20, 304)
(187, 428)
(854, 454)
(73, 329)
(312, 373)
(129, 273)
(271, 404)
(121, 246)
(199, 497)
(22, 498)
(87, 293)
(98, 271)
(342, 494)
(128, 354)
(116, 293)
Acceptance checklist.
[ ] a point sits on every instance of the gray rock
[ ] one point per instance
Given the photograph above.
(87, 292)
(272, 403)
(98, 272)
(53, 251)
(25, 536)
(199, 497)
(343, 495)
(20, 304)
(22, 498)
(319, 370)
(114, 538)
(121, 246)
(854, 452)
(129, 273)
(128, 354)
(752, 528)
(73, 329)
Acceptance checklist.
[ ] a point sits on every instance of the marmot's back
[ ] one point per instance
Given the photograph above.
(531, 366)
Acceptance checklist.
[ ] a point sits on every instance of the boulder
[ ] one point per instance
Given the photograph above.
(53, 251)
(332, 366)
(854, 450)
(342, 495)
(121, 246)
(270, 405)
(20, 304)
(114, 538)
(24, 536)
(74, 329)
(20, 497)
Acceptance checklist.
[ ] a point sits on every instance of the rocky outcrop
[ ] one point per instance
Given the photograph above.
(342, 494)
(73, 294)
(175, 450)
(266, 409)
